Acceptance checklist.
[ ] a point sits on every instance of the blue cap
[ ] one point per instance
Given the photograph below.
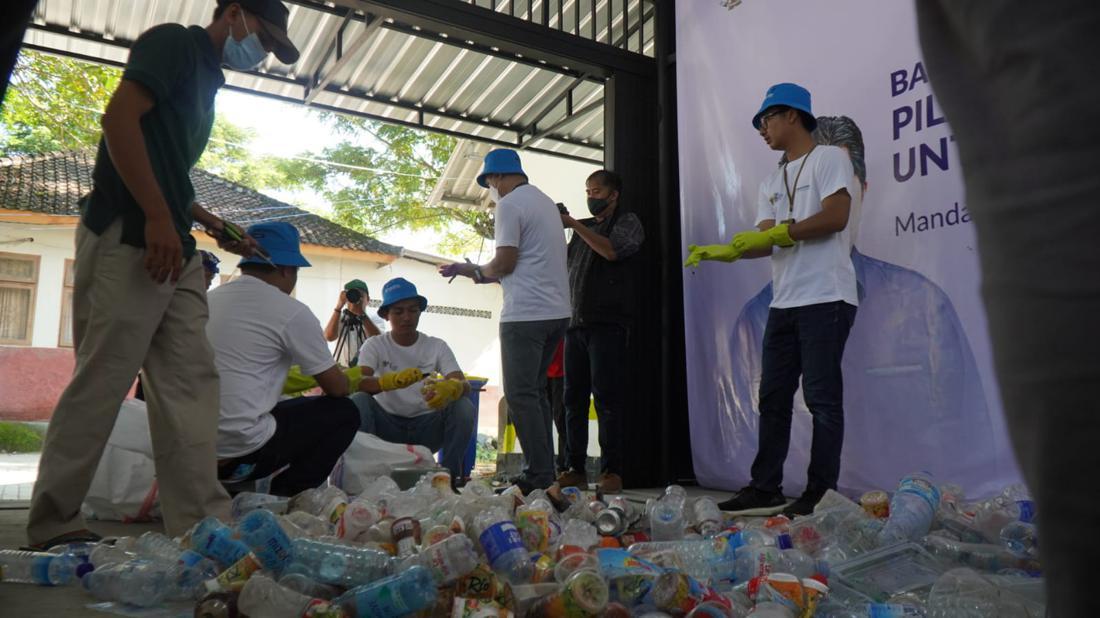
(209, 261)
(397, 290)
(280, 240)
(500, 161)
(791, 95)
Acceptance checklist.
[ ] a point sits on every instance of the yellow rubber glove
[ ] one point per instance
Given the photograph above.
(443, 392)
(755, 240)
(297, 383)
(400, 379)
(719, 253)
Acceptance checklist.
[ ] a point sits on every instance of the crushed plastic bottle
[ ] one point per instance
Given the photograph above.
(216, 541)
(962, 593)
(43, 569)
(911, 510)
(448, 560)
(707, 516)
(247, 501)
(341, 565)
(138, 582)
(1022, 539)
(262, 596)
(260, 530)
(402, 594)
(503, 546)
(666, 517)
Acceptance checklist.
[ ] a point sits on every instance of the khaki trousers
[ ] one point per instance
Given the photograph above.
(122, 322)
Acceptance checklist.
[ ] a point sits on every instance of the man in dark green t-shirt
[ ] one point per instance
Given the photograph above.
(139, 297)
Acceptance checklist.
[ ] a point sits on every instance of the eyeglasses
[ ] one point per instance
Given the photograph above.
(768, 116)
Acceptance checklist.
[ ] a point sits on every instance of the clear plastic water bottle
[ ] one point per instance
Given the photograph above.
(503, 546)
(341, 565)
(328, 503)
(708, 518)
(577, 536)
(448, 560)
(357, 519)
(1022, 539)
(755, 562)
(795, 561)
(31, 567)
(104, 554)
(402, 594)
(308, 586)
(261, 532)
(984, 556)
(138, 582)
(911, 510)
(247, 501)
(666, 519)
(216, 541)
(712, 561)
(262, 596)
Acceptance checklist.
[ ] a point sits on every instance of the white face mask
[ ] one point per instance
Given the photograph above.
(494, 195)
(244, 54)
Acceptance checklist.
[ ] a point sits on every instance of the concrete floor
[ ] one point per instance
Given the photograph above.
(62, 602)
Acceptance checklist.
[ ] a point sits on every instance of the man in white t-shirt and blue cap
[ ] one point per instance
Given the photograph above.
(802, 219)
(258, 331)
(530, 265)
(420, 408)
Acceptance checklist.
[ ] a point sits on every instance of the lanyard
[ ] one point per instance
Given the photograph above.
(791, 193)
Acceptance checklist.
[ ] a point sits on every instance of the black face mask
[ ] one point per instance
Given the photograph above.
(596, 205)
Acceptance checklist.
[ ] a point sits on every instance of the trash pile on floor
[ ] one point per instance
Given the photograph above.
(430, 551)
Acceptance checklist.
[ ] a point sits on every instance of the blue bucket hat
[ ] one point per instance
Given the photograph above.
(280, 240)
(500, 161)
(790, 95)
(397, 290)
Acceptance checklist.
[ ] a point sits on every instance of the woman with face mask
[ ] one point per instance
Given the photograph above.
(139, 296)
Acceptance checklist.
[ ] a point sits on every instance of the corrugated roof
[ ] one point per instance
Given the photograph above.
(51, 184)
(364, 64)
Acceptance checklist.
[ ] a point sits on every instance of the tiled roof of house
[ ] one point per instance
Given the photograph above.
(52, 183)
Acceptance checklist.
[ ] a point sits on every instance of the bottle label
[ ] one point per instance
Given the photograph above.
(190, 558)
(1027, 510)
(40, 570)
(499, 539)
(921, 487)
(406, 534)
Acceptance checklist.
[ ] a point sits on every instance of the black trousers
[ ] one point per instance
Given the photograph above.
(807, 343)
(596, 364)
(555, 391)
(311, 433)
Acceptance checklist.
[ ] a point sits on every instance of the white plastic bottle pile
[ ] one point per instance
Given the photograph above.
(430, 551)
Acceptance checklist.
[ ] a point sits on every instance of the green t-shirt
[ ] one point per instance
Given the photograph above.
(182, 70)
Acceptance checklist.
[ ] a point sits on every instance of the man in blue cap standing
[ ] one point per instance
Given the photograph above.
(258, 331)
(802, 219)
(398, 401)
(530, 265)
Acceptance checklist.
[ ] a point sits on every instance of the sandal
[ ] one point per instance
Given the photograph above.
(76, 536)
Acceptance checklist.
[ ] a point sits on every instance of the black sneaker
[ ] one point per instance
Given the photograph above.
(754, 502)
(804, 505)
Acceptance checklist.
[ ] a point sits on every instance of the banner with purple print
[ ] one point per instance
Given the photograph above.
(919, 390)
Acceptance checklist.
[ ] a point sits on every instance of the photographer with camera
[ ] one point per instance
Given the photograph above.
(350, 324)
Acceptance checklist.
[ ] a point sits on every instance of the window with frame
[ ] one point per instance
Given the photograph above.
(65, 335)
(18, 290)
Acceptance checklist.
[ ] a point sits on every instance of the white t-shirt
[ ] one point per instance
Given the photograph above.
(818, 270)
(538, 288)
(257, 333)
(350, 351)
(383, 355)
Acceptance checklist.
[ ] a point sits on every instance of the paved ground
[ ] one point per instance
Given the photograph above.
(17, 474)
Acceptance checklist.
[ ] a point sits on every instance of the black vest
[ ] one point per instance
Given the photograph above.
(609, 287)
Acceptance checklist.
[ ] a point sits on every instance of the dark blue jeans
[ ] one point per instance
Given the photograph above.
(596, 363)
(806, 342)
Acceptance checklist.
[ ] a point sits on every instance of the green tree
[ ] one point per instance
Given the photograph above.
(380, 176)
(54, 104)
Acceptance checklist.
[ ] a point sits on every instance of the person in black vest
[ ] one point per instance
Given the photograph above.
(600, 283)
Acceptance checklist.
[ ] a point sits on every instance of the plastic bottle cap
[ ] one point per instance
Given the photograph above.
(83, 569)
(783, 541)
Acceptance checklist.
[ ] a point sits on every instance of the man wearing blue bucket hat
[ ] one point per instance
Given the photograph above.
(400, 400)
(258, 331)
(530, 264)
(802, 219)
